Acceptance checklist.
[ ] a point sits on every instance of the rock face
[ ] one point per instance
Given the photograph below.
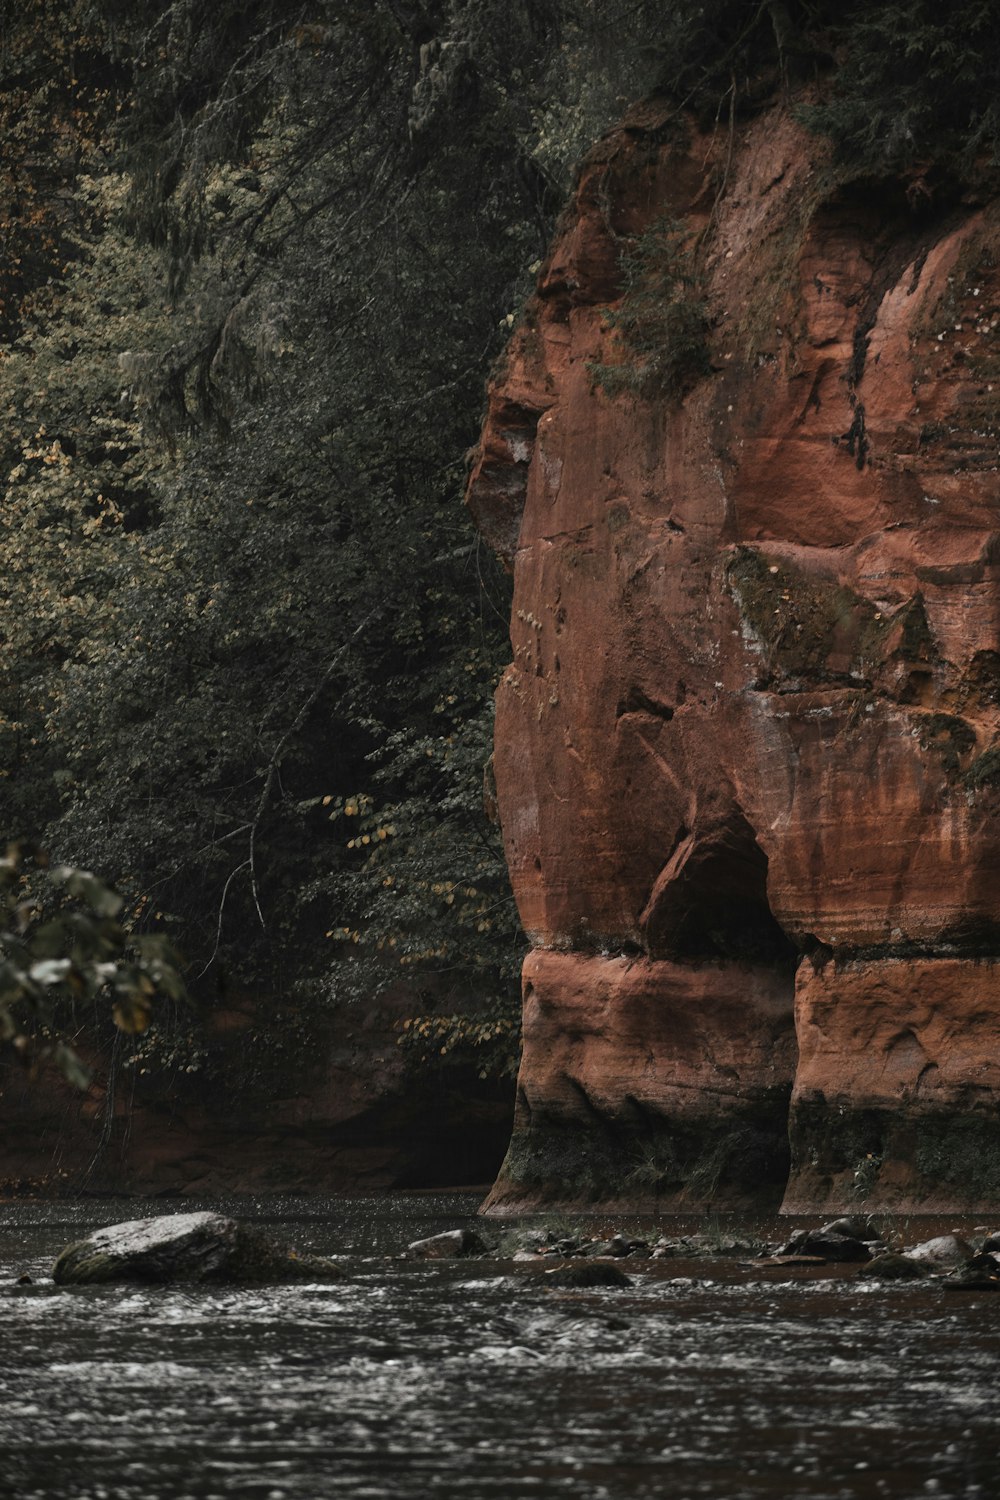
(600, 1114)
(748, 748)
(185, 1247)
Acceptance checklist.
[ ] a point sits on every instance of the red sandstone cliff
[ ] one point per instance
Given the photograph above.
(747, 751)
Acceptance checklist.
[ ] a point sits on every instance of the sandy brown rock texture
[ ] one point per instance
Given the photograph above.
(747, 753)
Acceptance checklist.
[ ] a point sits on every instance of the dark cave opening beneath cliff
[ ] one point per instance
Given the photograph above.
(710, 901)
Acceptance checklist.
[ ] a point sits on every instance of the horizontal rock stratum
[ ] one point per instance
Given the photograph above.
(747, 753)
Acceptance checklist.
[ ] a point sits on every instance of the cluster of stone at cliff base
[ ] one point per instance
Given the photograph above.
(207, 1247)
(957, 1263)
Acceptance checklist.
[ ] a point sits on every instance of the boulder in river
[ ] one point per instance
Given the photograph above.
(893, 1267)
(448, 1246)
(980, 1274)
(942, 1253)
(826, 1243)
(586, 1275)
(618, 1245)
(852, 1227)
(200, 1246)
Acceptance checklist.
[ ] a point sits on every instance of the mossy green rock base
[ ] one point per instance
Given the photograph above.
(189, 1247)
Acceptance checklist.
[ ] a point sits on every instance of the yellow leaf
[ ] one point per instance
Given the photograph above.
(132, 1014)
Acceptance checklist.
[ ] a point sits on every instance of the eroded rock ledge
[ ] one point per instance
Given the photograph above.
(747, 753)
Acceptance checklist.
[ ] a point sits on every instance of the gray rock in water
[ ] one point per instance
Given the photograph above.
(824, 1242)
(730, 1244)
(942, 1253)
(186, 1247)
(448, 1246)
(586, 1274)
(980, 1274)
(892, 1267)
(853, 1227)
(618, 1245)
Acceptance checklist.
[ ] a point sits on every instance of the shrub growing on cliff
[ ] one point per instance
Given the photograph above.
(661, 325)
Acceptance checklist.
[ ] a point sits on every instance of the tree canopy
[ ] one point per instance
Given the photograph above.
(250, 636)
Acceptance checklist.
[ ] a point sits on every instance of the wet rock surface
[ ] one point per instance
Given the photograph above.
(854, 1227)
(979, 1274)
(826, 1245)
(845, 1247)
(449, 1245)
(942, 1253)
(582, 1277)
(191, 1247)
(891, 1266)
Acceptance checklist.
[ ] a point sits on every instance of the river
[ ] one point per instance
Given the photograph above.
(474, 1379)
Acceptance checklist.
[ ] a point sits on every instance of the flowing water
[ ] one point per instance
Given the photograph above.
(475, 1379)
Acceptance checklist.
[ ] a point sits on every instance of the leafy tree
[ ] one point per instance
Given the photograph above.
(181, 579)
(59, 92)
(917, 82)
(67, 958)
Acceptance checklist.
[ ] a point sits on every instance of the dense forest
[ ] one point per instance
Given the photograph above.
(257, 261)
